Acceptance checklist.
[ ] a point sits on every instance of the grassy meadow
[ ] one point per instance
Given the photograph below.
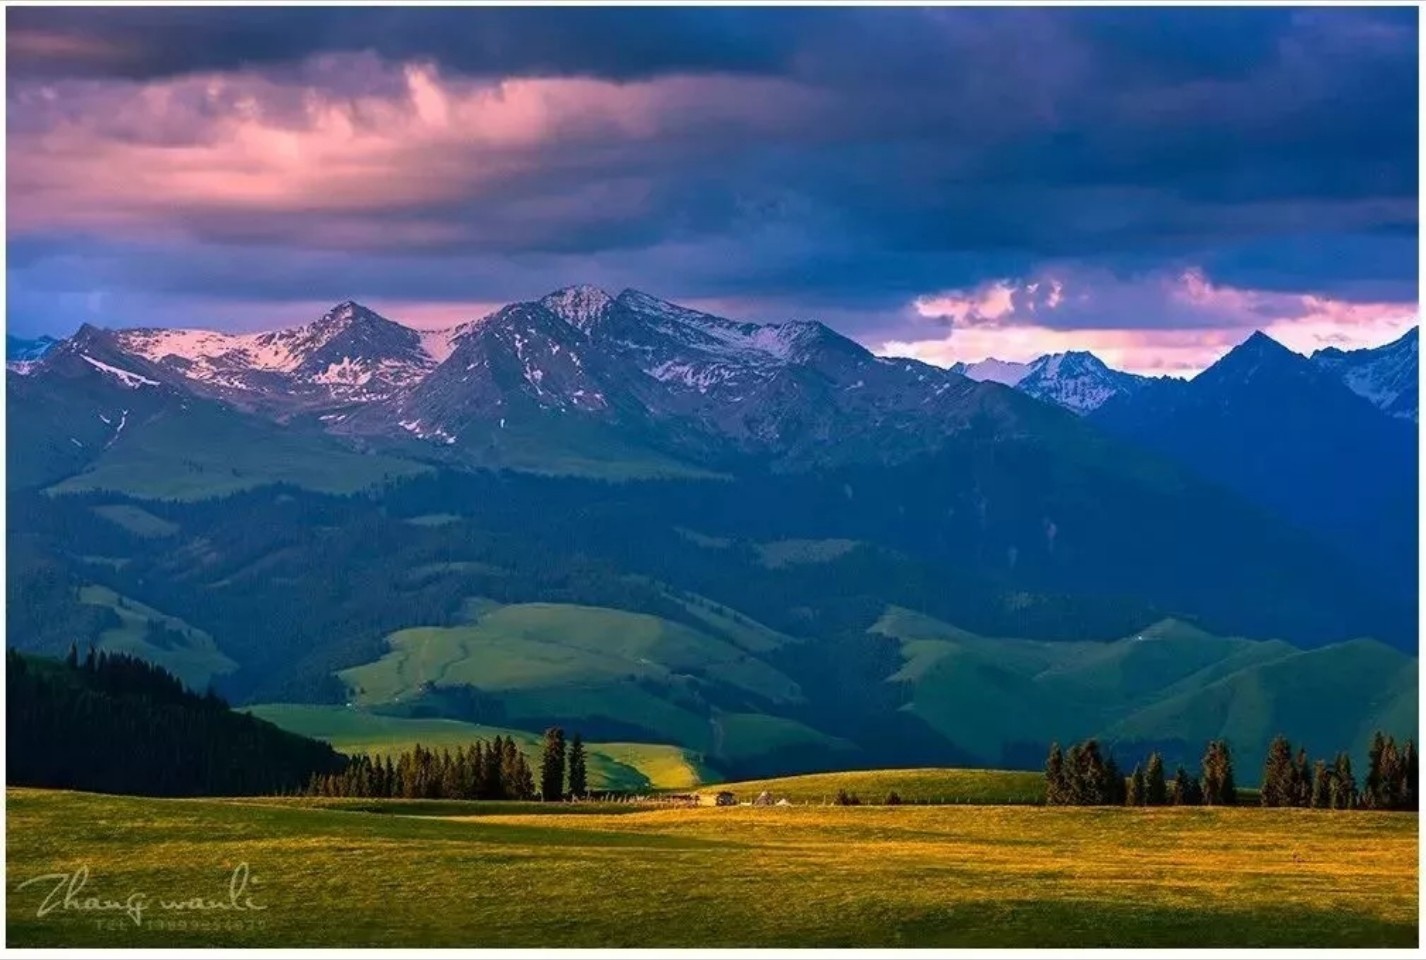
(364, 873)
(927, 785)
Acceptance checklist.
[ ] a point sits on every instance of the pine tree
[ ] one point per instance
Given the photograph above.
(1178, 788)
(1074, 789)
(1136, 792)
(578, 775)
(1057, 790)
(524, 780)
(1344, 785)
(1302, 780)
(71, 659)
(493, 783)
(1090, 776)
(1410, 773)
(512, 762)
(450, 777)
(1277, 787)
(1217, 782)
(1155, 790)
(1371, 786)
(1322, 779)
(1391, 777)
(552, 765)
(1113, 789)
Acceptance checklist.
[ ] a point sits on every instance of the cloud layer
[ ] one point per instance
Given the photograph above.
(212, 166)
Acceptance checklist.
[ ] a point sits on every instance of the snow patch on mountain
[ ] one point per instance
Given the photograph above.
(1007, 372)
(20, 350)
(1076, 380)
(440, 344)
(1385, 375)
(425, 433)
(127, 377)
(346, 372)
(579, 306)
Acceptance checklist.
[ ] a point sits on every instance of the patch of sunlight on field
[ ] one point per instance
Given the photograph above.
(928, 785)
(728, 877)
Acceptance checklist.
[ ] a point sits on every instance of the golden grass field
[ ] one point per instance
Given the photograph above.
(503, 875)
(937, 785)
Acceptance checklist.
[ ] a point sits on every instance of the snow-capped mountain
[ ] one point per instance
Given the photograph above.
(1385, 375)
(1076, 380)
(21, 350)
(579, 369)
(685, 381)
(1008, 372)
(350, 354)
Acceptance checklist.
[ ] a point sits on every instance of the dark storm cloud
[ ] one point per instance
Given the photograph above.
(847, 159)
(619, 43)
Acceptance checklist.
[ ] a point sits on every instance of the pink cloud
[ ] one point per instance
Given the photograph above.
(119, 159)
(1175, 323)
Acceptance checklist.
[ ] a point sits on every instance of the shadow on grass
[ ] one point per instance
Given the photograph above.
(1088, 923)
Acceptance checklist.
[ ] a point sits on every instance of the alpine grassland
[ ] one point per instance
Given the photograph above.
(929, 785)
(374, 873)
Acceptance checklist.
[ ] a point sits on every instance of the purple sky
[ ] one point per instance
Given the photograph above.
(945, 183)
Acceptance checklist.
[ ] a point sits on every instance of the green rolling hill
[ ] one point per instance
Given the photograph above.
(1170, 687)
(634, 767)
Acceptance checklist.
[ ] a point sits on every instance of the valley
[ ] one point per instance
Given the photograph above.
(629, 518)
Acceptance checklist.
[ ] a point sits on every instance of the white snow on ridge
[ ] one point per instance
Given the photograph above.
(126, 377)
(1007, 372)
(440, 344)
(578, 306)
(347, 372)
(206, 350)
(414, 427)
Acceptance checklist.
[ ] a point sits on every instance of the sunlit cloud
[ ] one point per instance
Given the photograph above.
(906, 175)
(1165, 323)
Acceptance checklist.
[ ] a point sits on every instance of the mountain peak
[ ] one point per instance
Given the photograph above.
(1078, 361)
(579, 306)
(1385, 375)
(348, 311)
(1076, 380)
(1261, 342)
(1008, 372)
(1256, 358)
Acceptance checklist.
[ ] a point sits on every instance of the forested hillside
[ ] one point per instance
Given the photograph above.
(112, 723)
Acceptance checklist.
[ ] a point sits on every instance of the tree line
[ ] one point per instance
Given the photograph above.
(1390, 784)
(113, 723)
(482, 770)
(1086, 776)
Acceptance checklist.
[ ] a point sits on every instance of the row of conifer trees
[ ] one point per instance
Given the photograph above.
(1391, 781)
(1085, 776)
(493, 770)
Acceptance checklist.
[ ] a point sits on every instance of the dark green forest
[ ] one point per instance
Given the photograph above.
(112, 723)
